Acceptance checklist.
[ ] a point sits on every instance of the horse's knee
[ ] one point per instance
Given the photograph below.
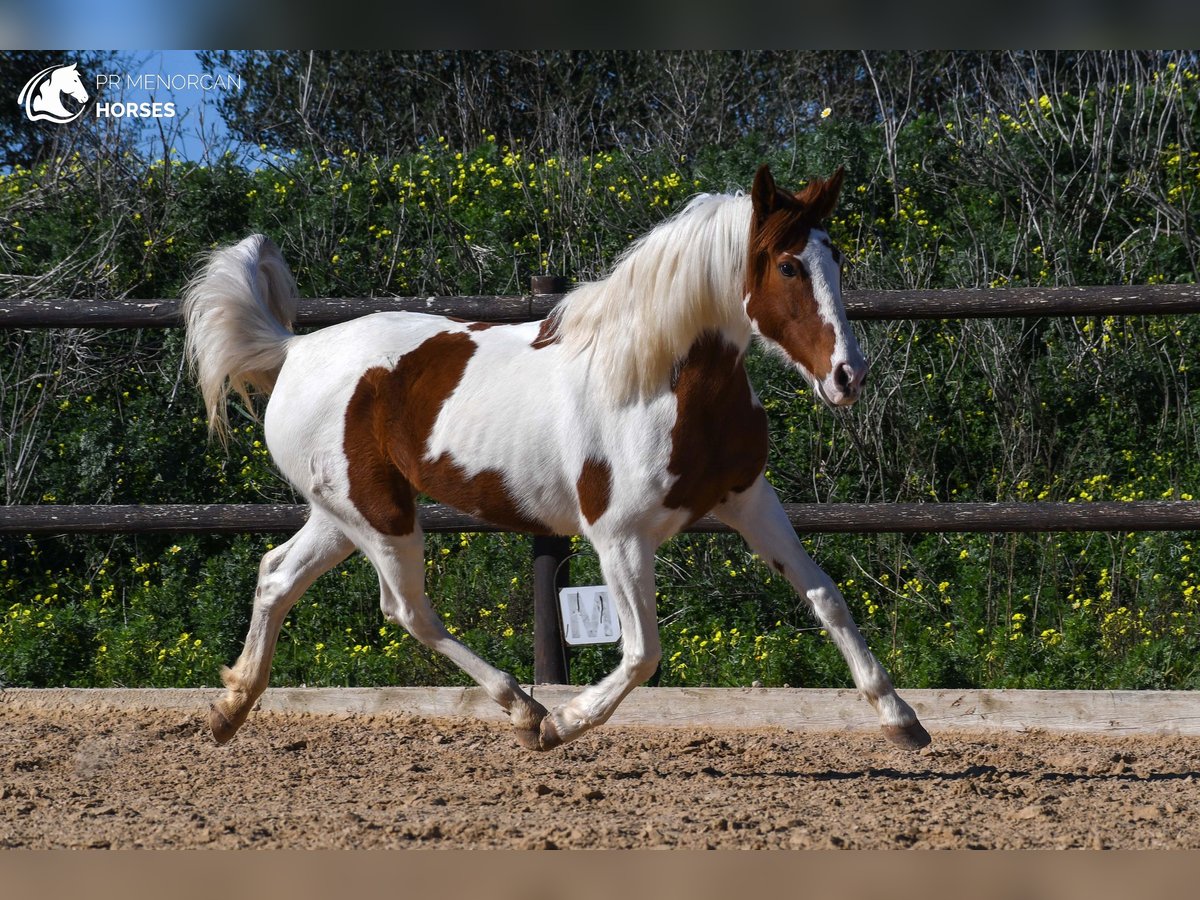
(829, 607)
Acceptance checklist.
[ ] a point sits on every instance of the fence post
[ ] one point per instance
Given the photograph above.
(551, 571)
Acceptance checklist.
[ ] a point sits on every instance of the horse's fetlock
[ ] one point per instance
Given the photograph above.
(231, 679)
(526, 713)
(241, 690)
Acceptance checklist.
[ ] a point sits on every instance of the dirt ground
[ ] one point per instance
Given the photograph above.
(120, 778)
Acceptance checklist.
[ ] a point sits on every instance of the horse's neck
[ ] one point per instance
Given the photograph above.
(716, 359)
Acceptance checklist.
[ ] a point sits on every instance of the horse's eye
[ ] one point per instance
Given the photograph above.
(787, 270)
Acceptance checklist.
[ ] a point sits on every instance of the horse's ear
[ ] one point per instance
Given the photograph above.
(764, 194)
(73, 67)
(820, 198)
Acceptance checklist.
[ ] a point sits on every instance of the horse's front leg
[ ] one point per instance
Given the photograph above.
(628, 566)
(760, 518)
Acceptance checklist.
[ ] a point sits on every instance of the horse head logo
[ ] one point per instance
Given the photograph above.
(42, 95)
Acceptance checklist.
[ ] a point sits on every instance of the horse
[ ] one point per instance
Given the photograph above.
(624, 416)
(42, 95)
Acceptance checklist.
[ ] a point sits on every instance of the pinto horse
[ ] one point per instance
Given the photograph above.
(624, 416)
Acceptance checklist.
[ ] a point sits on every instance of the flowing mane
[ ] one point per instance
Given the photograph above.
(682, 278)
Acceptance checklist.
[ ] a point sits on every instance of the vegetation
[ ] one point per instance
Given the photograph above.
(1001, 170)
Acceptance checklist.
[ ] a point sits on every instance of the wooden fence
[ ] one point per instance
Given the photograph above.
(551, 555)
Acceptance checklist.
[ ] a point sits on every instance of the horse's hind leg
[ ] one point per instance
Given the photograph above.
(757, 514)
(283, 576)
(627, 563)
(400, 563)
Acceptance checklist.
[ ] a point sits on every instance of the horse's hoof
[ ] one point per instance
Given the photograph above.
(550, 738)
(222, 726)
(529, 738)
(543, 736)
(910, 737)
(527, 719)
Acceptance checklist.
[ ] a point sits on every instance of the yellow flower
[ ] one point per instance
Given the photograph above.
(825, 113)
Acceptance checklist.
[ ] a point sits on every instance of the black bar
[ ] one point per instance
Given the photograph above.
(551, 573)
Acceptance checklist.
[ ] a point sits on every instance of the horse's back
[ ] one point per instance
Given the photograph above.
(447, 403)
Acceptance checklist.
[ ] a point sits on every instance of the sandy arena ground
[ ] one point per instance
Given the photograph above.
(121, 778)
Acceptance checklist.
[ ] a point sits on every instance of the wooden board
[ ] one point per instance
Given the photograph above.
(312, 312)
(951, 303)
(798, 709)
(806, 518)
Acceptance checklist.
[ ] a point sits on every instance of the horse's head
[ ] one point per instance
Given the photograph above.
(66, 80)
(794, 286)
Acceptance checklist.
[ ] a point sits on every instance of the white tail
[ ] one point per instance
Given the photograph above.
(238, 312)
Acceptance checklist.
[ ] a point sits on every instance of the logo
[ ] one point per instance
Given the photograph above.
(43, 95)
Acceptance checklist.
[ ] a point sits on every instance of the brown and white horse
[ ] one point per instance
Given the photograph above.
(624, 416)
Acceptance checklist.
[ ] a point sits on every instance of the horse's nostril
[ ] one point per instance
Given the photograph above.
(843, 377)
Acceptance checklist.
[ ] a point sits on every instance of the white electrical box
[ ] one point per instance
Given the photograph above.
(588, 615)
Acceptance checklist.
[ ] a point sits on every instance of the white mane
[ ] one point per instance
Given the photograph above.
(682, 278)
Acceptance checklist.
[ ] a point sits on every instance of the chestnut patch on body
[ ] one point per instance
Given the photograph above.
(481, 326)
(483, 495)
(388, 422)
(384, 497)
(719, 441)
(594, 488)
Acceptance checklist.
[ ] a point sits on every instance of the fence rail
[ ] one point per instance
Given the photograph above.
(974, 303)
(806, 518)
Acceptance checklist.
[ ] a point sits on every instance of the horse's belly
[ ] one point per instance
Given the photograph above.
(503, 462)
(491, 495)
